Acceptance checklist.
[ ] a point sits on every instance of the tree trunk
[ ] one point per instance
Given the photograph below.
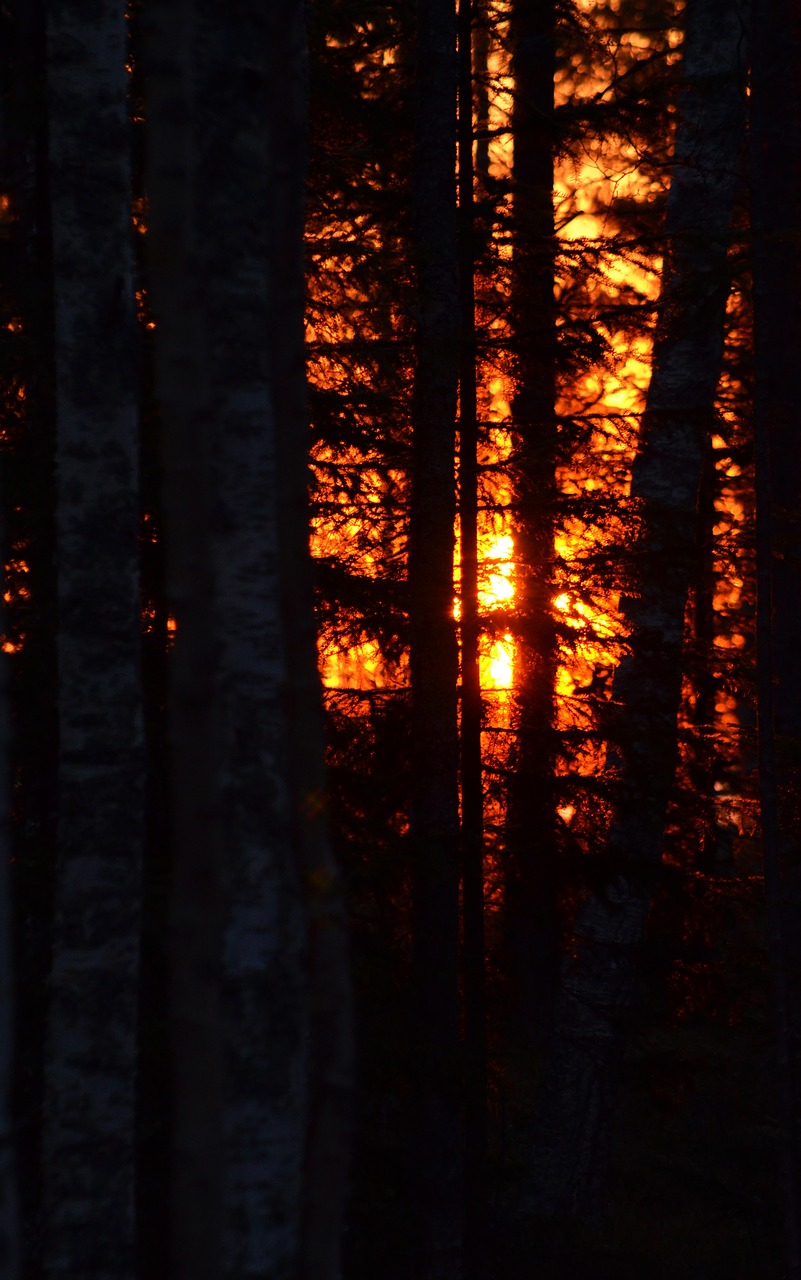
(599, 974)
(775, 222)
(28, 517)
(91, 1048)
(176, 191)
(330, 1053)
(285, 1011)
(29, 486)
(273, 1148)
(433, 659)
(9, 1197)
(532, 925)
(471, 774)
(264, 998)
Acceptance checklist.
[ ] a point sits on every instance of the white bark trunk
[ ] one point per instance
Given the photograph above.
(229, 203)
(91, 1042)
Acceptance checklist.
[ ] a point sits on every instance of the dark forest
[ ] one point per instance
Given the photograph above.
(400, 686)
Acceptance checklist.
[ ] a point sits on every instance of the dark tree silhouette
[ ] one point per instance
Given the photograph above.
(92, 1027)
(600, 972)
(433, 656)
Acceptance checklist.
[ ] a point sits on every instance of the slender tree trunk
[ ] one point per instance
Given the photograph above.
(331, 1068)
(702, 770)
(271, 1156)
(264, 988)
(28, 482)
(531, 894)
(471, 774)
(434, 664)
(9, 1191)
(599, 975)
(183, 355)
(775, 226)
(91, 1047)
(286, 1063)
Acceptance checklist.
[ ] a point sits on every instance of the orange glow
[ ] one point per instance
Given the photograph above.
(601, 405)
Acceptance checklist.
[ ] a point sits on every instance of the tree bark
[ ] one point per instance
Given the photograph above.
(29, 512)
(285, 986)
(433, 657)
(331, 1049)
(271, 1154)
(91, 1045)
(776, 248)
(599, 972)
(183, 346)
(264, 997)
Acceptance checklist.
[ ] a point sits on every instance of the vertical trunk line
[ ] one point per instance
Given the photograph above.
(29, 505)
(473, 946)
(433, 651)
(775, 213)
(91, 1054)
(532, 893)
(182, 354)
(331, 1049)
(9, 1190)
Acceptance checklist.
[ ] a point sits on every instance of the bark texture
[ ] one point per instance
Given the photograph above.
(599, 973)
(433, 658)
(91, 1045)
(261, 992)
(241, 72)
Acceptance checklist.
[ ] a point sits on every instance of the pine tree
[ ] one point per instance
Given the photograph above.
(433, 654)
(599, 978)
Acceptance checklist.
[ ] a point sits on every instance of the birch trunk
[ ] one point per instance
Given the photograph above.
(599, 974)
(91, 1042)
(433, 658)
(270, 1148)
(241, 77)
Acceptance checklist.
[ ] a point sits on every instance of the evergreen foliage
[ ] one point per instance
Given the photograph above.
(558, 703)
